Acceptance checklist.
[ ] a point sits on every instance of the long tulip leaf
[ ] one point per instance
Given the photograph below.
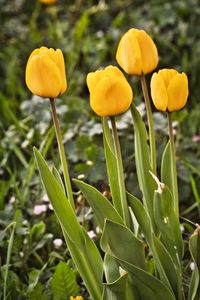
(101, 206)
(111, 166)
(119, 241)
(83, 250)
(194, 246)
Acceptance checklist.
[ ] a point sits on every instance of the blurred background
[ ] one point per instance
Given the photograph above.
(88, 33)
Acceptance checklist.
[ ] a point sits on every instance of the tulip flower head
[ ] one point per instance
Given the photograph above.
(45, 73)
(48, 1)
(110, 93)
(137, 54)
(169, 90)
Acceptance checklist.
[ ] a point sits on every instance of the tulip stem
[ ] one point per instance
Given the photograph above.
(62, 153)
(150, 123)
(173, 162)
(120, 172)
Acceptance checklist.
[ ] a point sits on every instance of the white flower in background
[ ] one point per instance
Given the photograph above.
(39, 209)
(57, 243)
(92, 234)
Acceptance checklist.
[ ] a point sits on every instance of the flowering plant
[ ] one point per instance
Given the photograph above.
(133, 231)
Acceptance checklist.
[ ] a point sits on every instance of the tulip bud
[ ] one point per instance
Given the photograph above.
(48, 1)
(45, 73)
(110, 93)
(169, 90)
(137, 54)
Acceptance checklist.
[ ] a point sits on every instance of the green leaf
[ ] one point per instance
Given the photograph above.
(143, 166)
(166, 171)
(141, 216)
(89, 264)
(37, 230)
(10, 245)
(58, 177)
(63, 283)
(163, 260)
(168, 223)
(38, 293)
(82, 249)
(34, 277)
(111, 268)
(147, 285)
(111, 165)
(116, 290)
(101, 206)
(119, 241)
(194, 246)
(170, 275)
(61, 205)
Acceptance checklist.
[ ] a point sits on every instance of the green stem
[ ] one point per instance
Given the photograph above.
(120, 173)
(173, 158)
(150, 123)
(62, 153)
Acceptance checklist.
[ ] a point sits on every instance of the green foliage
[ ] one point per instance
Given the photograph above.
(88, 33)
(63, 283)
(83, 251)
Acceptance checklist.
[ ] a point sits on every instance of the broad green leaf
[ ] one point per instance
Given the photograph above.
(101, 206)
(111, 165)
(116, 290)
(194, 246)
(89, 264)
(63, 283)
(143, 166)
(163, 260)
(61, 205)
(119, 241)
(148, 286)
(111, 268)
(168, 223)
(141, 216)
(82, 249)
(170, 275)
(166, 171)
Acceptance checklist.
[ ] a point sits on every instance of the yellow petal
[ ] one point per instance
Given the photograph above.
(177, 92)
(43, 76)
(93, 78)
(159, 92)
(149, 53)
(128, 53)
(111, 98)
(167, 75)
(48, 1)
(61, 66)
(113, 71)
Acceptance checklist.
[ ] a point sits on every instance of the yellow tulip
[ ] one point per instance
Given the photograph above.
(137, 54)
(45, 73)
(76, 298)
(48, 1)
(169, 90)
(110, 93)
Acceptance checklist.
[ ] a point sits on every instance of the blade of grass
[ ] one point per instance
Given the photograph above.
(8, 257)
